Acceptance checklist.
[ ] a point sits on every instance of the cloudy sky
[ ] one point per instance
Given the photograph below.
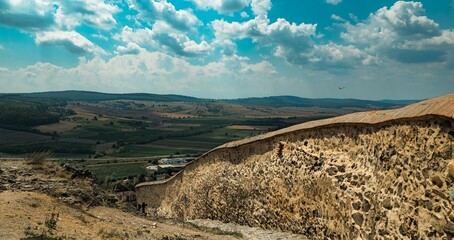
(376, 49)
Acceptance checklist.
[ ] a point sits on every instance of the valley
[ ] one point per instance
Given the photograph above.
(118, 135)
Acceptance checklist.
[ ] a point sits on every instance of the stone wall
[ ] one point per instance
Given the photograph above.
(339, 181)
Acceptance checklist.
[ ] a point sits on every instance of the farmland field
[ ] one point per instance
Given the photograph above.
(131, 129)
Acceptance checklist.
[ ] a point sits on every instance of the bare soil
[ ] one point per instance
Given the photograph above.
(31, 194)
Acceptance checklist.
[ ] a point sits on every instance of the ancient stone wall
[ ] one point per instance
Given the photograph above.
(339, 181)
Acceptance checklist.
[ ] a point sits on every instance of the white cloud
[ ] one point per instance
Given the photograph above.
(32, 15)
(151, 10)
(71, 40)
(289, 39)
(261, 7)
(337, 18)
(1, 47)
(292, 42)
(142, 37)
(145, 72)
(39, 15)
(445, 40)
(222, 6)
(337, 56)
(228, 77)
(53, 22)
(130, 48)
(334, 2)
(161, 37)
(402, 33)
(100, 36)
(235, 30)
(94, 13)
(227, 46)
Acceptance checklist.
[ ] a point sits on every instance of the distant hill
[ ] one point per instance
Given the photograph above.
(274, 101)
(403, 102)
(96, 96)
(291, 101)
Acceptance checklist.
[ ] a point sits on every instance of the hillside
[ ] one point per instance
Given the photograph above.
(50, 202)
(96, 96)
(381, 174)
(273, 101)
(292, 101)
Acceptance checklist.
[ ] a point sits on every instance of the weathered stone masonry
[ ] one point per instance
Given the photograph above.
(380, 179)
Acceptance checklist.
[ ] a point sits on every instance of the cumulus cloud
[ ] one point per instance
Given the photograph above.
(338, 56)
(130, 48)
(292, 42)
(403, 33)
(161, 37)
(182, 45)
(141, 36)
(240, 30)
(261, 7)
(53, 22)
(94, 13)
(33, 15)
(227, 46)
(145, 72)
(228, 77)
(333, 2)
(38, 15)
(71, 40)
(151, 10)
(222, 6)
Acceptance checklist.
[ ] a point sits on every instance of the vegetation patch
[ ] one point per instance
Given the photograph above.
(39, 157)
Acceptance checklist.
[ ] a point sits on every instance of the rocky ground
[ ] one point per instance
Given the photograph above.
(70, 185)
(252, 233)
(54, 202)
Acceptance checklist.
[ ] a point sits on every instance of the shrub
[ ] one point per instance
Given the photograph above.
(51, 222)
(39, 157)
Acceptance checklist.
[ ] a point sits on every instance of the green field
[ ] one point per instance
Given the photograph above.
(133, 127)
(117, 171)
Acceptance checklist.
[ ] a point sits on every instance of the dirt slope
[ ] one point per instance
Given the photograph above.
(30, 194)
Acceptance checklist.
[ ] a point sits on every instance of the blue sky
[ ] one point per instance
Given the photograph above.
(376, 49)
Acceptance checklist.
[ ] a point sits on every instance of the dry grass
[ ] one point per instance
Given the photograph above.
(39, 157)
(249, 127)
(26, 214)
(62, 126)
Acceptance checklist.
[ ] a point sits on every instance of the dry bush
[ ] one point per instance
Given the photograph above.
(39, 157)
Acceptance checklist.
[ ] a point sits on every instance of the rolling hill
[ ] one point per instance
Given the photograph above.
(272, 101)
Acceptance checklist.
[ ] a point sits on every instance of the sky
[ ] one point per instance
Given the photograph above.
(374, 49)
